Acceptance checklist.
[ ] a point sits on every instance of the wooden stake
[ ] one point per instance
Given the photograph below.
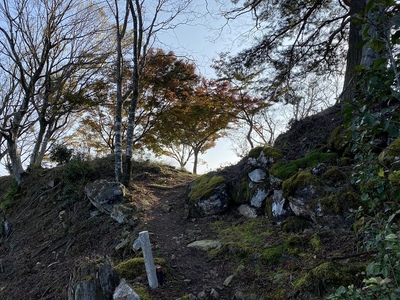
(148, 259)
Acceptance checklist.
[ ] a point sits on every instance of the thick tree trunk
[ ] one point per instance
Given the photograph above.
(16, 162)
(376, 27)
(354, 53)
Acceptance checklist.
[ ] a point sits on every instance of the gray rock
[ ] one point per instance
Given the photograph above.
(125, 292)
(258, 175)
(275, 182)
(122, 244)
(213, 204)
(278, 205)
(205, 245)
(214, 294)
(259, 197)
(247, 211)
(260, 161)
(122, 214)
(166, 208)
(228, 280)
(298, 207)
(202, 295)
(319, 169)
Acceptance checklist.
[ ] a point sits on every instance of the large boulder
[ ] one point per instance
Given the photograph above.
(207, 195)
(107, 197)
(105, 194)
(302, 191)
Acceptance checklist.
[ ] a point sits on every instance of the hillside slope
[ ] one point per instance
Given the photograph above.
(56, 230)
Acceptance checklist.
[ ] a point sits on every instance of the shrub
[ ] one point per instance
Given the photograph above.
(61, 154)
(9, 198)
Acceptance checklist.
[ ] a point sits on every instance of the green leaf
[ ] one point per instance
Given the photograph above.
(378, 46)
(369, 5)
(391, 237)
(369, 119)
(393, 130)
(380, 62)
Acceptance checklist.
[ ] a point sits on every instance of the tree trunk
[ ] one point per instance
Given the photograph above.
(138, 30)
(130, 131)
(43, 147)
(196, 160)
(34, 161)
(118, 167)
(354, 52)
(376, 27)
(16, 162)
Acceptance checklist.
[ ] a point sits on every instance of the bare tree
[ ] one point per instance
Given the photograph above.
(50, 52)
(144, 21)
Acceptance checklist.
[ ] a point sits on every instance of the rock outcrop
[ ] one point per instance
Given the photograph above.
(313, 188)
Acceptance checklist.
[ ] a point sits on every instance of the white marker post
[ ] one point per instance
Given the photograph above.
(143, 242)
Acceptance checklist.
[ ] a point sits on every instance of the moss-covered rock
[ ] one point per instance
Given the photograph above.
(269, 152)
(204, 186)
(134, 267)
(208, 195)
(297, 185)
(241, 191)
(334, 177)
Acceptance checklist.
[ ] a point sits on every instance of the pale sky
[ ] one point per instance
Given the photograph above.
(202, 41)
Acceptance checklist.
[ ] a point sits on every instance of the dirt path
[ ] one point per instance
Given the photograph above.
(192, 271)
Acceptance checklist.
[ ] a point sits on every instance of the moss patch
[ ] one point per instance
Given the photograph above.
(340, 202)
(295, 224)
(204, 186)
(284, 170)
(8, 200)
(241, 192)
(339, 139)
(326, 276)
(134, 267)
(142, 292)
(334, 176)
(394, 179)
(271, 256)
